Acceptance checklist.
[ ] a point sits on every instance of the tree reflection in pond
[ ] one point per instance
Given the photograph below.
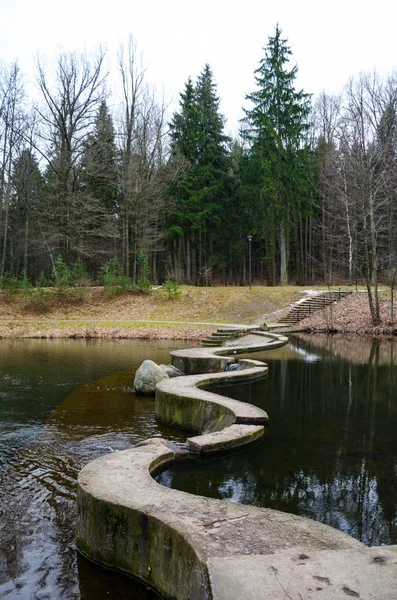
(331, 450)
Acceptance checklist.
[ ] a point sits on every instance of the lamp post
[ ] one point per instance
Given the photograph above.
(249, 237)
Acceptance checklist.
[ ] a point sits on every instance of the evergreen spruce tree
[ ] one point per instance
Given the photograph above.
(183, 126)
(276, 125)
(28, 185)
(99, 164)
(196, 195)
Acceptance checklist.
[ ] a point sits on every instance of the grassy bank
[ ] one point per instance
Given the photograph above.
(135, 315)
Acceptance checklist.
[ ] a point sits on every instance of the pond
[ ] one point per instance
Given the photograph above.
(331, 449)
(62, 404)
(330, 453)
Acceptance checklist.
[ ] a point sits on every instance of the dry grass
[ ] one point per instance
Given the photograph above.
(213, 304)
(134, 315)
(99, 316)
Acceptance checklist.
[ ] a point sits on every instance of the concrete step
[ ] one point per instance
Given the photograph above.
(310, 305)
(226, 336)
(234, 331)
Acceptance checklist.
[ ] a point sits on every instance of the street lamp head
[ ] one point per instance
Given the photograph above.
(249, 237)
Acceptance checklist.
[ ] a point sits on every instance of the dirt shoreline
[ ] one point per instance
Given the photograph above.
(47, 330)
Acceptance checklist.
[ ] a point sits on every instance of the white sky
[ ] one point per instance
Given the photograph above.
(331, 40)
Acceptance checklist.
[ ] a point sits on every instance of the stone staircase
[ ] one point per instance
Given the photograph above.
(309, 305)
(224, 334)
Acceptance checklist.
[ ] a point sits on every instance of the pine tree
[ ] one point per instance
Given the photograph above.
(99, 176)
(276, 126)
(28, 184)
(183, 126)
(196, 195)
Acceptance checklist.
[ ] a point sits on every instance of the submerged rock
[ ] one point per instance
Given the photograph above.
(147, 376)
(233, 367)
(171, 371)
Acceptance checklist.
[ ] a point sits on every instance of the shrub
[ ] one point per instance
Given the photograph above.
(110, 275)
(43, 281)
(79, 275)
(11, 285)
(172, 288)
(77, 295)
(9, 282)
(143, 283)
(38, 300)
(60, 273)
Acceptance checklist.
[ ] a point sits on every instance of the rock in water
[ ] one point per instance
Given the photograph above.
(233, 367)
(147, 376)
(171, 371)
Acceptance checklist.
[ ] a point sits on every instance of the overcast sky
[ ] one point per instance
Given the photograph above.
(331, 40)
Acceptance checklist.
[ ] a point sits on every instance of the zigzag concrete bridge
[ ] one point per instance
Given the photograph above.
(192, 548)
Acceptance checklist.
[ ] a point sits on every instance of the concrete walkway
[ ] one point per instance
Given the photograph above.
(193, 548)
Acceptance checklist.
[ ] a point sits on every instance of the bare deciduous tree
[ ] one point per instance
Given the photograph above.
(71, 98)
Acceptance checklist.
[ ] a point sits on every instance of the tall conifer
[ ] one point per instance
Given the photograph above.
(276, 126)
(198, 138)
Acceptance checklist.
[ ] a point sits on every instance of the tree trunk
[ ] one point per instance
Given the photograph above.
(283, 256)
(5, 234)
(25, 249)
(188, 262)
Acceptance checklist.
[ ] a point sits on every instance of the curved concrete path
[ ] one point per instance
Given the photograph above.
(226, 423)
(190, 547)
(166, 537)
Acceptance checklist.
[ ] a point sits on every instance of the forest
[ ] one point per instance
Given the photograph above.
(96, 184)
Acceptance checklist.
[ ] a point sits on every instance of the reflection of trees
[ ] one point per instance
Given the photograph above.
(348, 482)
(331, 453)
(350, 347)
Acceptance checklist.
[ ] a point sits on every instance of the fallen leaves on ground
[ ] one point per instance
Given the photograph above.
(352, 315)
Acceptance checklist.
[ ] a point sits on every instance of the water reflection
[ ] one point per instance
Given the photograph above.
(331, 452)
(45, 441)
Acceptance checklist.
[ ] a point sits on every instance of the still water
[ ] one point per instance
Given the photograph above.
(62, 404)
(331, 449)
(330, 453)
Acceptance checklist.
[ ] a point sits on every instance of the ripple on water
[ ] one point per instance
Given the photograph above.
(38, 472)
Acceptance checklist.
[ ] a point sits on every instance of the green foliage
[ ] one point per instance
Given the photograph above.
(9, 283)
(276, 127)
(61, 275)
(110, 275)
(143, 283)
(77, 295)
(24, 283)
(43, 281)
(64, 279)
(38, 300)
(172, 288)
(196, 197)
(79, 275)
(99, 162)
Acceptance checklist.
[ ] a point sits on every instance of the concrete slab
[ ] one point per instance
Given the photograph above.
(190, 547)
(231, 437)
(166, 537)
(193, 361)
(181, 401)
(366, 574)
